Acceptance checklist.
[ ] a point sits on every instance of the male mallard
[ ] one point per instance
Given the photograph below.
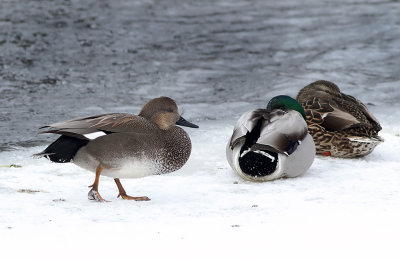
(130, 146)
(340, 124)
(267, 144)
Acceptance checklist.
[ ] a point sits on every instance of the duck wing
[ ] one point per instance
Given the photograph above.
(356, 108)
(339, 113)
(326, 105)
(277, 131)
(246, 124)
(282, 132)
(106, 123)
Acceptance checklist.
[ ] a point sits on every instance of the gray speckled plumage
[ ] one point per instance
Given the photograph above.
(164, 151)
(131, 146)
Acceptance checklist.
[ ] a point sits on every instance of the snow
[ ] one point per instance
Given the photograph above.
(348, 208)
(65, 59)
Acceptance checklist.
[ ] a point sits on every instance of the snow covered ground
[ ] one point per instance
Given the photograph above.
(338, 209)
(63, 59)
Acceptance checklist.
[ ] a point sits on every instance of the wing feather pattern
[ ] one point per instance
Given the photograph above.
(278, 132)
(108, 123)
(337, 110)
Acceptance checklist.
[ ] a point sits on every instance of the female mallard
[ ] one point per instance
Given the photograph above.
(271, 143)
(129, 146)
(340, 124)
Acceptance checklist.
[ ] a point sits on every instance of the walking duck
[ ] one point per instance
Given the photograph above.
(270, 143)
(129, 146)
(340, 124)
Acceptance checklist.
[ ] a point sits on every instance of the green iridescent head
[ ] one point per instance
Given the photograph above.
(285, 103)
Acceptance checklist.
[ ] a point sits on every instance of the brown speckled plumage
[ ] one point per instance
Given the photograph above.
(340, 124)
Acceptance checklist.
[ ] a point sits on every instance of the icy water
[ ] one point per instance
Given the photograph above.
(63, 59)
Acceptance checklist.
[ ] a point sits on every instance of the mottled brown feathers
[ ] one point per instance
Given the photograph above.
(340, 124)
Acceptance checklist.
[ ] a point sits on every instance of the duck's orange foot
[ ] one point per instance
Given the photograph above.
(95, 195)
(127, 197)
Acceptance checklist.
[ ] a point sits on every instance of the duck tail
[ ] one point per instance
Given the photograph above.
(364, 139)
(63, 149)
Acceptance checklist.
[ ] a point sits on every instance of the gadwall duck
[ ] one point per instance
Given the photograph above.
(270, 143)
(340, 124)
(129, 146)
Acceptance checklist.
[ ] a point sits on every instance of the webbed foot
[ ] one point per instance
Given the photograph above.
(127, 197)
(95, 195)
(122, 193)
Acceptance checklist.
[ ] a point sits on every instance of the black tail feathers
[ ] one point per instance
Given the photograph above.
(63, 149)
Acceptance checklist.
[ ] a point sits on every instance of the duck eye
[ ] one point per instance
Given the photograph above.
(170, 110)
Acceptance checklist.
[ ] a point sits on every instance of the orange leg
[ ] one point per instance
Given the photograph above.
(94, 192)
(122, 193)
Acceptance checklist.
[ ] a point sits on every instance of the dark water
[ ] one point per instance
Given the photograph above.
(63, 59)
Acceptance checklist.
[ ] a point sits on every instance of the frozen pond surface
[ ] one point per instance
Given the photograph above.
(63, 59)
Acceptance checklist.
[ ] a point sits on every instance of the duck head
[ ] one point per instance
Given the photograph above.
(163, 111)
(320, 88)
(285, 103)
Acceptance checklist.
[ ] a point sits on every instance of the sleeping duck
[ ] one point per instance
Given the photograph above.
(271, 143)
(340, 124)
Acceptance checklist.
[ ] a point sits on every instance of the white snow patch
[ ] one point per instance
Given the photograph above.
(348, 208)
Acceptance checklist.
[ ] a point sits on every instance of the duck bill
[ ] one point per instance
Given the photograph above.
(183, 122)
